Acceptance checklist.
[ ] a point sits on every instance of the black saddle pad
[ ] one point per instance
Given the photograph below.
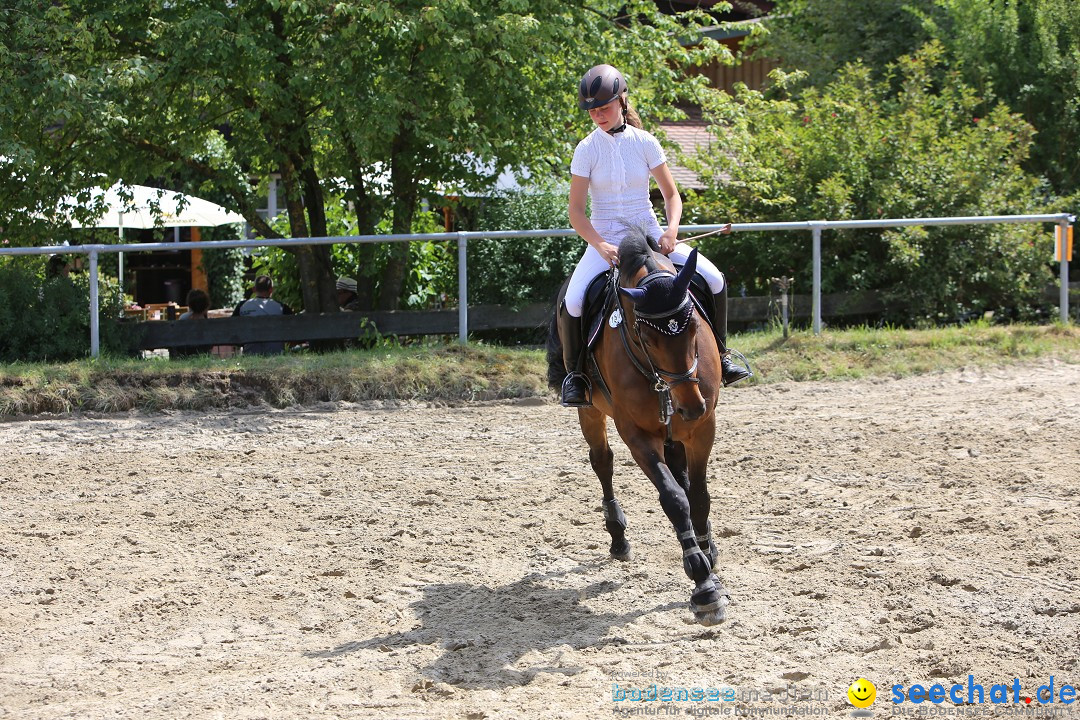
(598, 298)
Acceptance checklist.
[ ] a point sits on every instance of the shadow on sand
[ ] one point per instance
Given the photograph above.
(485, 632)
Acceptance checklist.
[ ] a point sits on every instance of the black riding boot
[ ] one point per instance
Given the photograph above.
(731, 372)
(575, 388)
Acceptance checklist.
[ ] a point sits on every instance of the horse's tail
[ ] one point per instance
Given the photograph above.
(556, 370)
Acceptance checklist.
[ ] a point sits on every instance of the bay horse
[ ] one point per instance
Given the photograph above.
(658, 366)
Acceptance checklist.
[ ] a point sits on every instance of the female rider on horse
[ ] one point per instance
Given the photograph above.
(613, 164)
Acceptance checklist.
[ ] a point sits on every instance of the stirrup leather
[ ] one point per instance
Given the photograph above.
(568, 385)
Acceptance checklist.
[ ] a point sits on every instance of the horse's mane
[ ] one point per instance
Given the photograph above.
(635, 252)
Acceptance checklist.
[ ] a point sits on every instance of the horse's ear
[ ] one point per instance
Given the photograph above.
(635, 294)
(682, 281)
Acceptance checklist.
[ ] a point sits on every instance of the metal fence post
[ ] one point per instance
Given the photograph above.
(817, 279)
(463, 290)
(95, 338)
(1063, 296)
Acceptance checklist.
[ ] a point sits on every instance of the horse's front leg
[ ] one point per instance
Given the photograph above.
(594, 428)
(675, 457)
(697, 493)
(697, 450)
(706, 602)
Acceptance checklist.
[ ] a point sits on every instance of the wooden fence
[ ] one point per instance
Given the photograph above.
(333, 326)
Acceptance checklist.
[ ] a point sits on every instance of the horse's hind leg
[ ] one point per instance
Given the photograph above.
(594, 428)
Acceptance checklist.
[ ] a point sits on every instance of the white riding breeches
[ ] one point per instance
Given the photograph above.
(592, 264)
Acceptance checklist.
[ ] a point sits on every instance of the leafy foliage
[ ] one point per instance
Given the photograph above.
(1026, 55)
(819, 37)
(854, 149)
(224, 268)
(433, 264)
(47, 319)
(224, 275)
(383, 103)
(517, 271)
(1023, 54)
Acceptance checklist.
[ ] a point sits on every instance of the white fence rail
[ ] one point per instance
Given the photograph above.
(1062, 220)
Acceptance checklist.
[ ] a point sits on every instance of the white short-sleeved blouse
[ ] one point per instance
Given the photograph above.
(617, 167)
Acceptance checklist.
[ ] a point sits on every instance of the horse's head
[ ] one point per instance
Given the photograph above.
(663, 319)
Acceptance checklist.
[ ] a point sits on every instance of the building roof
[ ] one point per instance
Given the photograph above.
(691, 135)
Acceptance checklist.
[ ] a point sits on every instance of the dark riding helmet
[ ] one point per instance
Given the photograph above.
(601, 85)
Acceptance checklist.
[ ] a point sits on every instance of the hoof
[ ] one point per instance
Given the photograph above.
(712, 613)
(709, 603)
(709, 619)
(621, 551)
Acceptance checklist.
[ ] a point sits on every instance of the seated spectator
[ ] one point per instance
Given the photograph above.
(346, 294)
(198, 303)
(262, 304)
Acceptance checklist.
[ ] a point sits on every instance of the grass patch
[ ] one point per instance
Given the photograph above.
(894, 352)
(448, 374)
(452, 374)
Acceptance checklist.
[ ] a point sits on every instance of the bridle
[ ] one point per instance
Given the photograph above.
(670, 323)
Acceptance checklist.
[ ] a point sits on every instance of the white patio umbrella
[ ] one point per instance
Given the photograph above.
(152, 207)
(148, 208)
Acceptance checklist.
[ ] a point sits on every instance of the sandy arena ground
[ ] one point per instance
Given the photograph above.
(421, 562)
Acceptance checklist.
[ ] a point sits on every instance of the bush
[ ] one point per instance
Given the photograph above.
(47, 319)
(517, 271)
(857, 150)
(1025, 54)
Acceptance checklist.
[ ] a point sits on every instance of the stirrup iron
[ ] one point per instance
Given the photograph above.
(731, 356)
(567, 384)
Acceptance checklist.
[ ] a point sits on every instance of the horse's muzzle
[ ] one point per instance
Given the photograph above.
(693, 411)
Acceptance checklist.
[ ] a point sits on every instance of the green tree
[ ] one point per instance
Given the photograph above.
(1026, 55)
(819, 37)
(855, 149)
(384, 102)
(1023, 54)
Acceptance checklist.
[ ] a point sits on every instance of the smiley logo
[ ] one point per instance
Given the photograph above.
(862, 693)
